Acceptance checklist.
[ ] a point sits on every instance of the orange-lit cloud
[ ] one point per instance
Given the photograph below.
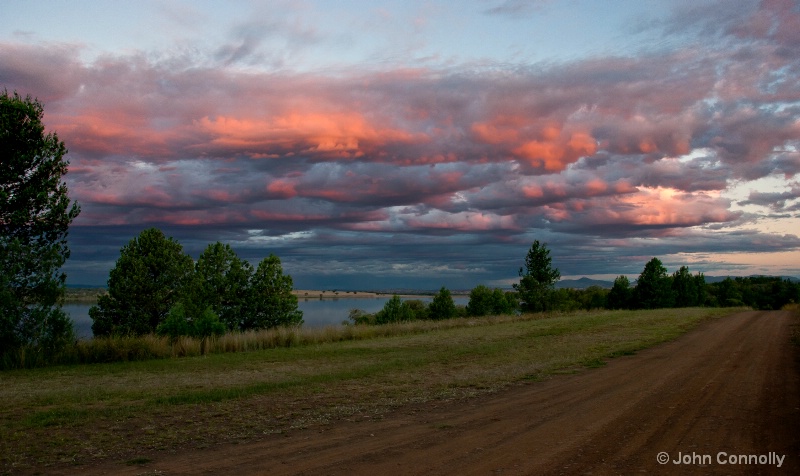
(593, 153)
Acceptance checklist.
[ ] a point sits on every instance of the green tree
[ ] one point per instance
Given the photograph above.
(419, 308)
(222, 281)
(175, 324)
(442, 306)
(594, 297)
(480, 301)
(653, 290)
(150, 276)
(271, 302)
(537, 279)
(501, 304)
(687, 290)
(202, 325)
(621, 294)
(35, 214)
(727, 293)
(394, 311)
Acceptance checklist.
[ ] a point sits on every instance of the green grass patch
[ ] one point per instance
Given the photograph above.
(121, 410)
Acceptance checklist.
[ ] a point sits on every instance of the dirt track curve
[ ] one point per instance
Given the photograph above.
(730, 386)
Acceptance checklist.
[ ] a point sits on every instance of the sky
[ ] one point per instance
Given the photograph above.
(418, 144)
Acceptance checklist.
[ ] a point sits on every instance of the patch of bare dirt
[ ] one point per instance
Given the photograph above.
(728, 388)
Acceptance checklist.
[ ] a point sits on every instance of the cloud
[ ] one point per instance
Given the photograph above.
(598, 152)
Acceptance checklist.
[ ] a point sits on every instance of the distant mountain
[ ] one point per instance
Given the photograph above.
(583, 283)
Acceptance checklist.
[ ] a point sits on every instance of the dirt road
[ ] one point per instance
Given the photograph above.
(728, 388)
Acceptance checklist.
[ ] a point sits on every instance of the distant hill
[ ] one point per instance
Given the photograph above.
(583, 283)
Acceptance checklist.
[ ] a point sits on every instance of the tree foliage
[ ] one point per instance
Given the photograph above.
(442, 306)
(537, 279)
(271, 302)
(155, 287)
(35, 213)
(150, 276)
(653, 286)
(201, 325)
(484, 301)
(688, 290)
(394, 310)
(621, 294)
(759, 292)
(222, 281)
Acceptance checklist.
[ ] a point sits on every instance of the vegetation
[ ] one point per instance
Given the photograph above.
(35, 214)
(222, 282)
(123, 411)
(156, 287)
(150, 276)
(487, 302)
(270, 300)
(654, 289)
(537, 279)
(442, 306)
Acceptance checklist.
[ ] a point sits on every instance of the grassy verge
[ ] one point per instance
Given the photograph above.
(127, 410)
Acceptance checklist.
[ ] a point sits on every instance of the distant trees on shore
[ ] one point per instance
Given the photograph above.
(655, 288)
(155, 287)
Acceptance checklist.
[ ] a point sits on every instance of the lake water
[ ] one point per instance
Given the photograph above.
(316, 312)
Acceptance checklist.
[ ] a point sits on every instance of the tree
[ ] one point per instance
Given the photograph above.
(594, 297)
(271, 301)
(35, 214)
(480, 301)
(537, 280)
(653, 289)
(394, 311)
(621, 294)
(222, 281)
(150, 276)
(688, 290)
(502, 303)
(442, 305)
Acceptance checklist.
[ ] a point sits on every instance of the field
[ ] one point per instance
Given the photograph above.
(71, 418)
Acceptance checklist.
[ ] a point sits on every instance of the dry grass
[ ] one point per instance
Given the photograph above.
(126, 349)
(287, 379)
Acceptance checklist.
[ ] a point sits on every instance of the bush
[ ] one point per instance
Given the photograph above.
(394, 311)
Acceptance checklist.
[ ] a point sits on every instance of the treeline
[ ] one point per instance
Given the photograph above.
(155, 287)
(654, 289)
(483, 301)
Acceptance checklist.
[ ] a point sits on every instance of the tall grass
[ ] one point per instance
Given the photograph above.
(148, 347)
(128, 349)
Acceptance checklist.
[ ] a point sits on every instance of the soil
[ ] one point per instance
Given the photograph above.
(730, 387)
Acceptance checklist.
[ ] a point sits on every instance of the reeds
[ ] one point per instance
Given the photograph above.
(127, 349)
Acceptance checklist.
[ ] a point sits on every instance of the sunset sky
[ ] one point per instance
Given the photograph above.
(377, 144)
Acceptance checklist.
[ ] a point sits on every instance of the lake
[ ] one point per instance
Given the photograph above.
(316, 312)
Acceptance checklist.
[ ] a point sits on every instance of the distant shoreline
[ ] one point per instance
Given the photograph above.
(316, 294)
(89, 295)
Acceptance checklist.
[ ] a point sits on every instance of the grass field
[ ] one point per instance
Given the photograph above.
(125, 411)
